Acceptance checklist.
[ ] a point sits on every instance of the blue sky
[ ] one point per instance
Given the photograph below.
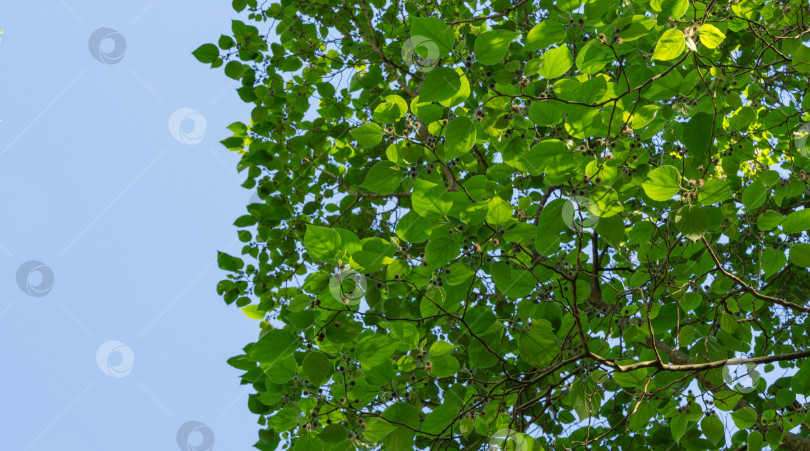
(128, 219)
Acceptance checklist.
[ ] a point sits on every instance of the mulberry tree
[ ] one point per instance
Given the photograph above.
(523, 224)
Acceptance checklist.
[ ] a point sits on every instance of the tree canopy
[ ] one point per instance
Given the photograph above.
(523, 224)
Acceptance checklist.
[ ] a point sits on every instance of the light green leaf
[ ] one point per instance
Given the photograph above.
(430, 200)
(662, 183)
(711, 36)
(544, 34)
(321, 243)
(499, 212)
(754, 195)
(383, 178)
(555, 62)
(429, 35)
(442, 83)
(491, 46)
(368, 134)
(252, 311)
(796, 222)
(712, 428)
(800, 254)
(459, 138)
(670, 45)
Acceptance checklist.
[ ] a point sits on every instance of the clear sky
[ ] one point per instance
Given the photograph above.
(128, 218)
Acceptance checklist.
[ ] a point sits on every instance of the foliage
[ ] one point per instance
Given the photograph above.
(558, 219)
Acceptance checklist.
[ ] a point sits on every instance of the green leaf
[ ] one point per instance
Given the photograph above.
(443, 364)
(662, 183)
(796, 222)
(727, 400)
(430, 200)
(206, 53)
(555, 62)
(442, 83)
(367, 135)
(383, 178)
(697, 135)
(714, 192)
(499, 212)
(670, 45)
(712, 428)
(273, 345)
(754, 441)
(711, 36)
(234, 69)
(252, 311)
(491, 46)
(692, 221)
(317, 367)
(390, 110)
(669, 8)
(432, 35)
(322, 244)
(785, 397)
(459, 138)
(228, 263)
(544, 34)
(754, 195)
(281, 371)
(605, 199)
(678, 427)
(374, 350)
(744, 418)
(770, 220)
(539, 345)
(545, 113)
(800, 382)
(441, 251)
